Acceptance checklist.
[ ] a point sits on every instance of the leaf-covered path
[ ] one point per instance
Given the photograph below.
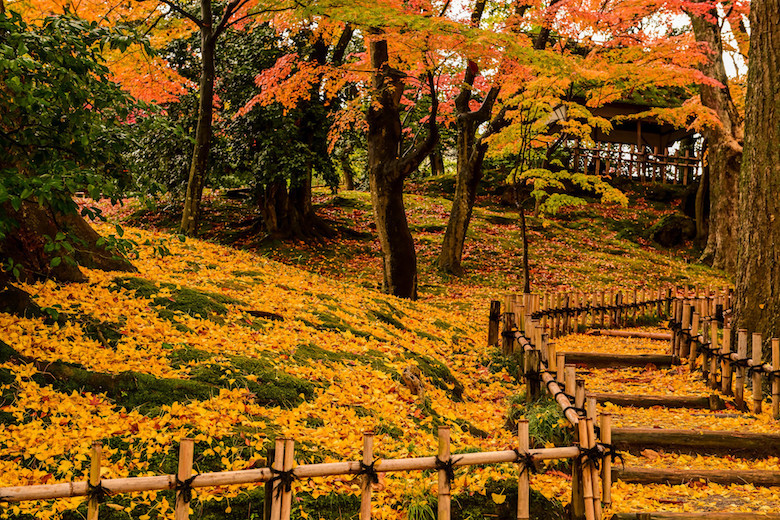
(696, 495)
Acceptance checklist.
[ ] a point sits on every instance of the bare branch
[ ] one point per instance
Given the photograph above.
(191, 17)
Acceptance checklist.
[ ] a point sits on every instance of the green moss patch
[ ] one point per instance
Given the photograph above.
(201, 304)
(439, 375)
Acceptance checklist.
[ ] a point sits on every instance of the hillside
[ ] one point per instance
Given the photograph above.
(235, 347)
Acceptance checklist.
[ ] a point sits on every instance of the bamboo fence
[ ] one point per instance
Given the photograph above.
(282, 474)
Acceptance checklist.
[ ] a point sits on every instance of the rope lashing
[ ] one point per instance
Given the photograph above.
(285, 479)
(609, 450)
(527, 460)
(369, 470)
(448, 467)
(184, 488)
(98, 492)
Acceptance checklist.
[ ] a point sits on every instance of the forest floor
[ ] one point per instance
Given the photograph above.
(233, 341)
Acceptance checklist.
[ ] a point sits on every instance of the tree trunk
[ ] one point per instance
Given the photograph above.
(758, 273)
(702, 198)
(471, 152)
(346, 168)
(470, 158)
(388, 167)
(526, 267)
(724, 150)
(190, 219)
(27, 247)
(289, 214)
(437, 162)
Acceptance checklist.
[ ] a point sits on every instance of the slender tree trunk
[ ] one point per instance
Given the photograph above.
(190, 219)
(470, 157)
(702, 198)
(389, 167)
(526, 267)
(437, 162)
(724, 150)
(758, 273)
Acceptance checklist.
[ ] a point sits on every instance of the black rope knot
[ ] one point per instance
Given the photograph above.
(285, 479)
(448, 467)
(593, 455)
(609, 450)
(98, 493)
(184, 487)
(755, 368)
(579, 411)
(527, 460)
(369, 470)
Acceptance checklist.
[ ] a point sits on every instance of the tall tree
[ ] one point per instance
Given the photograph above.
(388, 167)
(210, 31)
(758, 273)
(471, 152)
(724, 142)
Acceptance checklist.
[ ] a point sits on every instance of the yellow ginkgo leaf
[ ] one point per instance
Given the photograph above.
(498, 499)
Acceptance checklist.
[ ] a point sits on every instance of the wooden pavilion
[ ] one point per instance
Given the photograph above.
(638, 147)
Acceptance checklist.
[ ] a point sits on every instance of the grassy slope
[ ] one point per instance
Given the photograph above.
(203, 365)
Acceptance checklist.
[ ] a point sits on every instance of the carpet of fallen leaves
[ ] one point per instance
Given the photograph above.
(332, 282)
(51, 441)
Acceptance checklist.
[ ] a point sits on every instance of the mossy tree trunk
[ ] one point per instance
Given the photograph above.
(388, 168)
(758, 273)
(46, 244)
(724, 145)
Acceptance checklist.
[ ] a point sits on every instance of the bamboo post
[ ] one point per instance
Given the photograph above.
(560, 365)
(579, 394)
(705, 364)
(595, 302)
(494, 323)
(94, 479)
(368, 459)
(587, 475)
(602, 313)
(693, 352)
(543, 350)
(611, 302)
(523, 478)
(289, 463)
(725, 363)
(591, 407)
(531, 359)
(606, 463)
(570, 376)
(776, 378)
(268, 497)
(590, 421)
(758, 391)
(552, 357)
(444, 505)
(508, 337)
(186, 451)
(685, 344)
(278, 465)
(739, 379)
(713, 357)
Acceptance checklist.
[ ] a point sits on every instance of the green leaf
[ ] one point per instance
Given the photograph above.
(57, 260)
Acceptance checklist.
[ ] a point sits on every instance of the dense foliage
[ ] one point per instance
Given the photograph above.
(62, 123)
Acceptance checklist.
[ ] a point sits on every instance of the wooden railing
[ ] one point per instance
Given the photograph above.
(629, 161)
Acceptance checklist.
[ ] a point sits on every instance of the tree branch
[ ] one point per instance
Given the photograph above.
(341, 46)
(413, 158)
(191, 17)
(482, 114)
